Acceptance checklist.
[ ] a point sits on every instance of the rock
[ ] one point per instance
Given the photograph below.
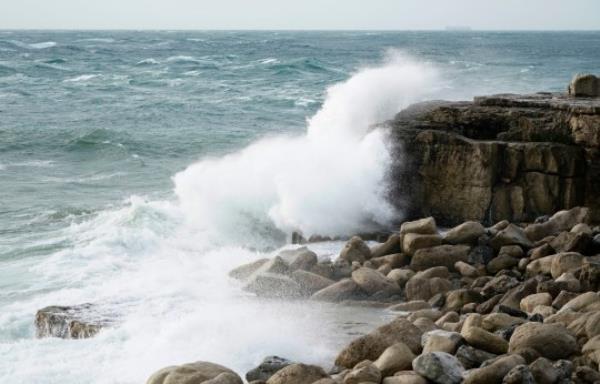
(501, 262)
(267, 368)
(300, 259)
(195, 373)
(396, 357)
(582, 302)
(552, 341)
(363, 373)
(559, 222)
(441, 341)
(391, 246)
(543, 371)
(512, 251)
(511, 235)
(372, 281)
(442, 255)
(465, 233)
(310, 282)
(356, 250)
(584, 85)
(499, 284)
(582, 228)
(405, 377)
(589, 277)
(498, 320)
(419, 288)
(541, 266)
(481, 254)
(426, 226)
(400, 276)
(246, 270)
(394, 260)
(567, 281)
(466, 270)
(571, 242)
(297, 374)
(472, 357)
(530, 302)
(494, 373)
(412, 242)
(265, 284)
(439, 367)
(512, 298)
(345, 289)
(372, 345)
(482, 339)
(563, 298)
(541, 251)
(565, 262)
(71, 322)
(410, 306)
(456, 299)
(520, 374)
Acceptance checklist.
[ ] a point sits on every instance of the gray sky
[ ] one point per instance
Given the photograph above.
(299, 14)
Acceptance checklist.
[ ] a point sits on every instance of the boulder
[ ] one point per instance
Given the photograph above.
(582, 303)
(392, 245)
(528, 303)
(372, 281)
(559, 222)
(456, 299)
(439, 367)
(410, 306)
(396, 357)
(499, 284)
(441, 341)
(565, 262)
(345, 289)
(365, 372)
(571, 242)
(405, 377)
(71, 322)
(420, 288)
(267, 368)
(501, 262)
(426, 226)
(465, 233)
(246, 270)
(412, 242)
(584, 85)
(552, 341)
(310, 282)
(495, 372)
(265, 284)
(520, 374)
(482, 339)
(466, 270)
(511, 235)
(356, 250)
(300, 259)
(442, 255)
(195, 373)
(372, 345)
(297, 374)
(400, 276)
(471, 357)
(543, 371)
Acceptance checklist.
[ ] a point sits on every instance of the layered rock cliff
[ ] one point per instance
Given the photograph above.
(514, 157)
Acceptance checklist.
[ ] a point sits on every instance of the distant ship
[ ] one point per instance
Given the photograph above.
(458, 28)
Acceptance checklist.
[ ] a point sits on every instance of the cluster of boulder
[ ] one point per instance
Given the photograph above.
(503, 304)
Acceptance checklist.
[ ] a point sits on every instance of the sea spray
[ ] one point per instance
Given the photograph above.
(328, 181)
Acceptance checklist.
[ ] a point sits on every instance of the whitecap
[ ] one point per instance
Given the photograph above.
(269, 60)
(42, 45)
(149, 61)
(80, 78)
(99, 40)
(33, 163)
(182, 59)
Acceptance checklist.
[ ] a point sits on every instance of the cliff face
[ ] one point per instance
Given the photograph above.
(513, 157)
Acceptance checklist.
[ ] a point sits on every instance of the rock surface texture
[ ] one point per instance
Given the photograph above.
(513, 157)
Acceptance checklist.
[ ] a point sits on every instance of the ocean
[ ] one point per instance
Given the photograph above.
(137, 168)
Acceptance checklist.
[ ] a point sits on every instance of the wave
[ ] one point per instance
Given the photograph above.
(31, 163)
(149, 61)
(329, 181)
(80, 78)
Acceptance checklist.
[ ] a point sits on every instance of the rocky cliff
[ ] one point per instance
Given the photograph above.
(514, 157)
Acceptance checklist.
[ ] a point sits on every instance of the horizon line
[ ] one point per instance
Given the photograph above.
(447, 29)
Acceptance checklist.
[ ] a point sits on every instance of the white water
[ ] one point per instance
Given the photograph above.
(162, 265)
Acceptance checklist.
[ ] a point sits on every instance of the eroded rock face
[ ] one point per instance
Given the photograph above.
(513, 157)
(70, 322)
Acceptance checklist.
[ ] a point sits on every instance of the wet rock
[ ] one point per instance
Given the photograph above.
(426, 226)
(345, 289)
(494, 373)
(520, 374)
(356, 250)
(396, 357)
(372, 281)
(552, 341)
(584, 85)
(471, 357)
(310, 282)
(265, 284)
(530, 302)
(511, 235)
(391, 246)
(482, 339)
(400, 276)
(71, 322)
(297, 374)
(411, 306)
(465, 233)
(420, 288)
(267, 368)
(195, 373)
(300, 259)
(246, 270)
(441, 341)
(543, 371)
(439, 367)
(365, 372)
(442, 255)
(412, 242)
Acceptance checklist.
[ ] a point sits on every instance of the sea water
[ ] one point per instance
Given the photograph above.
(137, 168)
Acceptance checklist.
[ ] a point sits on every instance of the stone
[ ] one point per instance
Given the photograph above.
(392, 245)
(471, 357)
(426, 226)
(571, 242)
(301, 258)
(71, 322)
(482, 339)
(465, 233)
(394, 260)
(512, 251)
(582, 228)
(441, 341)
(481, 254)
(501, 262)
(363, 373)
(466, 270)
(356, 250)
(297, 374)
(442, 255)
(498, 320)
(552, 341)
(519, 374)
(559, 222)
(419, 288)
(456, 299)
(581, 303)
(565, 262)
(499, 284)
(494, 372)
(567, 281)
(541, 251)
(372, 345)
(543, 371)
(410, 306)
(400, 276)
(265, 284)
(528, 303)
(587, 375)
(412, 242)
(563, 298)
(396, 357)
(195, 373)
(267, 368)
(584, 85)
(439, 367)
(541, 266)
(246, 270)
(372, 281)
(345, 289)
(310, 282)
(405, 377)
(511, 235)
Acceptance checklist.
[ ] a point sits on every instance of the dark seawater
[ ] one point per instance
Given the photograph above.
(94, 126)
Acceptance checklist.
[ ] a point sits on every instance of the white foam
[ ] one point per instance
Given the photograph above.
(42, 45)
(81, 78)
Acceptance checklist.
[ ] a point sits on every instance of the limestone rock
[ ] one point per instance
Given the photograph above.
(195, 373)
(439, 367)
(559, 222)
(530, 302)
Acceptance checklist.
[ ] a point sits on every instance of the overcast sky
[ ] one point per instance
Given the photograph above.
(299, 14)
